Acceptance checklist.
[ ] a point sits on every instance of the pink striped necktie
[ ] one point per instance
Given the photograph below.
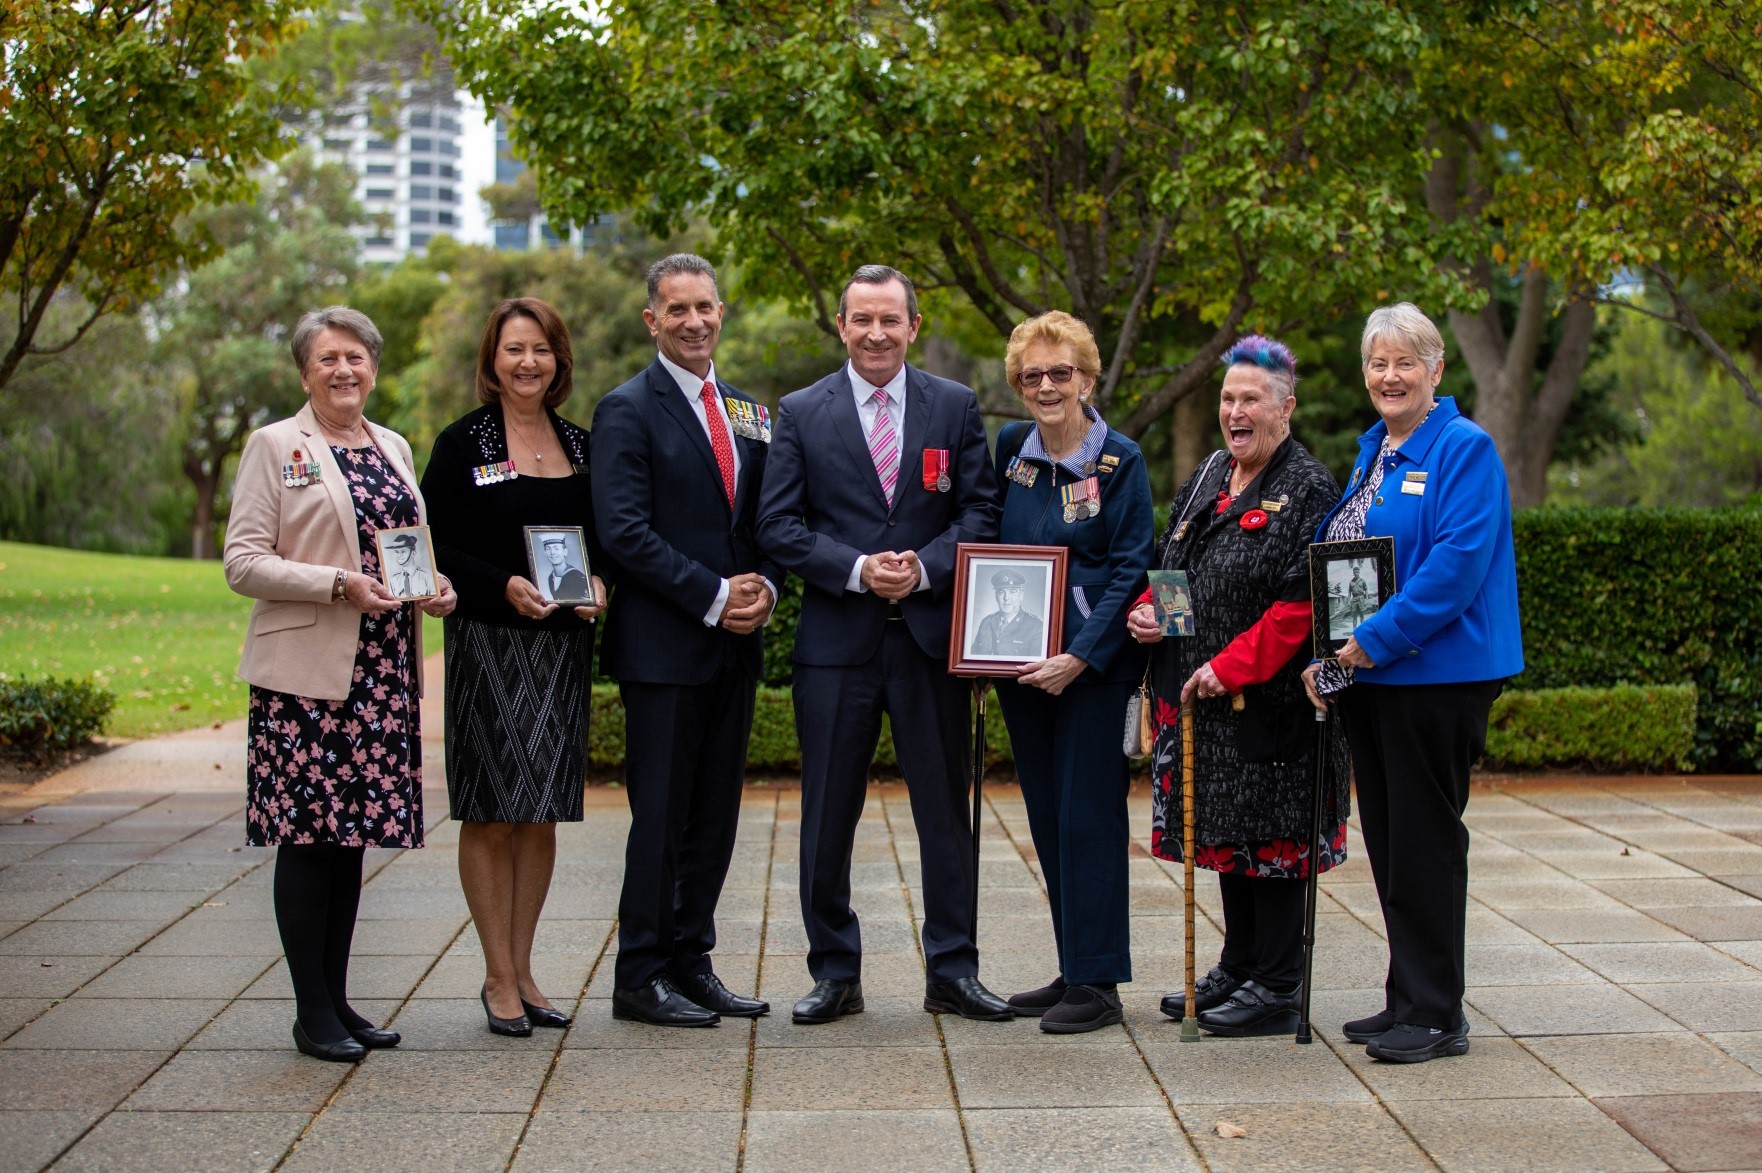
(884, 446)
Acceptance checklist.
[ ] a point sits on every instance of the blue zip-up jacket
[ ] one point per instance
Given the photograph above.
(1108, 554)
(1453, 618)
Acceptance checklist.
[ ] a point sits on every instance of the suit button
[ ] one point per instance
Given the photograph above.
(1378, 501)
(890, 521)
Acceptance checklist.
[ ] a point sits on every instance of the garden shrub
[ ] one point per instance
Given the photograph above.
(1628, 727)
(39, 717)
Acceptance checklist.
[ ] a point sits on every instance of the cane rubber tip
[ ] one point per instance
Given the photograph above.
(1303, 1034)
(1190, 1030)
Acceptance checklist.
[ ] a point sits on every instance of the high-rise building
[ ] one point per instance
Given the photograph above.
(408, 164)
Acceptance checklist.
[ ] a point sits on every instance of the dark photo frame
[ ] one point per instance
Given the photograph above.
(1009, 607)
(1348, 582)
(573, 574)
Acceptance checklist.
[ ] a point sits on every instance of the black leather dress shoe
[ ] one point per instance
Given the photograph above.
(514, 1028)
(1363, 1030)
(659, 1004)
(1083, 1008)
(545, 1015)
(828, 1001)
(1254, 1010)
(968, 998)
(707, 990)
(1214, 989)
(346, 1051)
(376, 1038)
(1406, 1043)
(1034, 1003)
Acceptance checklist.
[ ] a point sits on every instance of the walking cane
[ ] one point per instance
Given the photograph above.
(1313, 891)
(1189, 1024)
(979, 686)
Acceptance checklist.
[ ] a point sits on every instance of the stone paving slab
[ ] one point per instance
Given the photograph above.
(1615, 1004)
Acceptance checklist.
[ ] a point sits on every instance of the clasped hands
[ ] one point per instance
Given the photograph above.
(749, 603)
(526, 599)
(892, 575)
(372, 597)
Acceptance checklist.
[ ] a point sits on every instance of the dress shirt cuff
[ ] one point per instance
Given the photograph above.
(714, 615)
(923, 579)
(772, 587)
(855, 581)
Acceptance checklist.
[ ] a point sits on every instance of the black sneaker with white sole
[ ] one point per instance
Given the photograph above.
(1407, 1043)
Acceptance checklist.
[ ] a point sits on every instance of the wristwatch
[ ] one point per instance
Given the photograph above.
(340, 587)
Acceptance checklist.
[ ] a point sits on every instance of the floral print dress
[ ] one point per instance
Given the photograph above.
(347, 772)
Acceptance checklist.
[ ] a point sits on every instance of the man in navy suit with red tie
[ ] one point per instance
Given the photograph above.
(676, 459)
(875, 474)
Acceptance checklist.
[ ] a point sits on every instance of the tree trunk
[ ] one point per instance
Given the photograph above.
(1194, 430)
(202, 543)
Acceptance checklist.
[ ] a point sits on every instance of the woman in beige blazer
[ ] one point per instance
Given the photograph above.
(334, 660)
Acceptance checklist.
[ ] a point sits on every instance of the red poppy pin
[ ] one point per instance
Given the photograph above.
(1254, 519)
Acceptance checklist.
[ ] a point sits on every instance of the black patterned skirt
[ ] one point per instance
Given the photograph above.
(517, 708)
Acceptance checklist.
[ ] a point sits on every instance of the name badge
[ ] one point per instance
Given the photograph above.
(1413, 476)
(1414, 488)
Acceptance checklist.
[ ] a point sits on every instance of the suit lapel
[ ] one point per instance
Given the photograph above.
(919, 405)
(672, 399)
(849, 426)
(382, 438)
(334, 486)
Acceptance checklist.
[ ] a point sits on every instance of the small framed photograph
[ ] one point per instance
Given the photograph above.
(1172, 601)
(406, 562)
(1348, 582)
(1008, 607)
(558, 555)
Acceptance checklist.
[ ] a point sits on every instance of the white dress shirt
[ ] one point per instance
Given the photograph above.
(692, 388)
(864, 391)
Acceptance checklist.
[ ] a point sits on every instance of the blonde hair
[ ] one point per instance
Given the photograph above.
(1406, 323)
(1056, 328)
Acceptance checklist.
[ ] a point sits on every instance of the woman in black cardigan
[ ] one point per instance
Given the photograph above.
(518, 666)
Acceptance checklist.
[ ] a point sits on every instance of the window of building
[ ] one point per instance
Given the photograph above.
(449, 148)
(421, 167)
(449, 124)
(420, 143)
(421, 216)
(337, 144)
(380, 193)
(511, 236)
(420, 239)
(447, 171)
(421, 191)
(379, 168)
(379, 144)
(444, 217)
(421, 118)
(379, 242)
(445, 195)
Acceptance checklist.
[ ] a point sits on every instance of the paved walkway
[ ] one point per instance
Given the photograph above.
(1615, 951)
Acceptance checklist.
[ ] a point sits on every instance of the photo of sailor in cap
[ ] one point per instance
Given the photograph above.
(560, 574)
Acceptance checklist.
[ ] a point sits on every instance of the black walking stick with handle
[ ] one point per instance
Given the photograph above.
(1313, 892)
(980, 685)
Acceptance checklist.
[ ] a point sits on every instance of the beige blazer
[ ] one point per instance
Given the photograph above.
(283, 548)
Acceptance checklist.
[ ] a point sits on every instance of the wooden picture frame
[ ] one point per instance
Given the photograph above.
(406, 562)
(998, 628)
(1348, 582)
(560, 586)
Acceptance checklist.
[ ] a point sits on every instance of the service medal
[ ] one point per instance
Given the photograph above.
(936, 470)
(943, 484)
(1070, 514)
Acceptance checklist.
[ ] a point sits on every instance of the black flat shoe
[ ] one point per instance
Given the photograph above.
(1083, 1008)
(828, 1001)
(1254, 1010)
(514, 1028)
(1363, 1030)
(968, 998)
(1214, 989)
(659, 1004)
(1034, 1003)
(376, 1038)
(1406, 1043)
(707, 990)
(347, 1051)
(545, 1015)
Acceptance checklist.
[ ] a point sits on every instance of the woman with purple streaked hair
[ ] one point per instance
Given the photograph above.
(1240, 529)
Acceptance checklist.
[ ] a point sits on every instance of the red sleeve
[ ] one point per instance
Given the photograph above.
(1255, 655)
(1141, 600)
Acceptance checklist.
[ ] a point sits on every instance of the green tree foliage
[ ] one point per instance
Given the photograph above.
(1172, 171)
(121, 117)
(226, 330)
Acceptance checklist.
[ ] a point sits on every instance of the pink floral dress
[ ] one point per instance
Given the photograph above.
(349, 771)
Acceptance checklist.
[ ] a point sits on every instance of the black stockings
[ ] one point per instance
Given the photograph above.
(317, 892)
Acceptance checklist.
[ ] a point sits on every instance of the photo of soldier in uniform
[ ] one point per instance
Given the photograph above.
(1006, 607)
(406, 562)
(559, 565)
(1352, 594)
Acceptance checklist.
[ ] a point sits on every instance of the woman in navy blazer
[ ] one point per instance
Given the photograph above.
(1064, 712)
(1418, 678)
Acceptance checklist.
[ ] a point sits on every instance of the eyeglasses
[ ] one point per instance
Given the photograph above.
(1060, 375)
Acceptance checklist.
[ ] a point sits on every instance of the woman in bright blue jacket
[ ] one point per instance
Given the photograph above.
(1418, 678)
(1072, 481)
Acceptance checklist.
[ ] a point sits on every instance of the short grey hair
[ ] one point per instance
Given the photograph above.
(674, 266)
(341, 317)
(1406, 323)
(881, 275)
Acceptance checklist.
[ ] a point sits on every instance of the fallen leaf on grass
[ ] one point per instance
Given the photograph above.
(1229, 1131)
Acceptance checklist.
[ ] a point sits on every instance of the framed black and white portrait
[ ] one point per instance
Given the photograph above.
(1348, 582)
(1008, 607)
(406, 562)
(558, 556)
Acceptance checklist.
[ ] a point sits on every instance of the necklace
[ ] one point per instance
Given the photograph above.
(536, 454)
(355, 437)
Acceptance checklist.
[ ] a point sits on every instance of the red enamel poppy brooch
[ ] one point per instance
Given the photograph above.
(1254, 519)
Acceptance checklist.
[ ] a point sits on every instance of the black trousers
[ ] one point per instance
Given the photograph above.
(1263, 929)
(838, 717)
(684, 765)
(1412, 748)
(1074, 783)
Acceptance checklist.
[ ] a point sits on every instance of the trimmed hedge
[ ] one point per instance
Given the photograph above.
(1624, 728)
(1649, 597)
(41, 716)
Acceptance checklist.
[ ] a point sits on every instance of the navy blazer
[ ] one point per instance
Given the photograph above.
(662, 517)
(822, 506)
